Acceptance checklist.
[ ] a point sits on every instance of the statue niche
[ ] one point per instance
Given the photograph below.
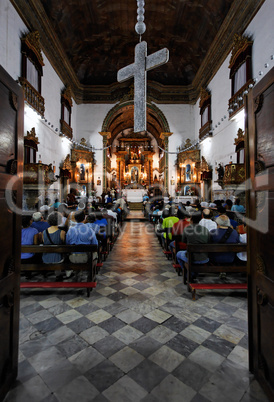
(134, 175)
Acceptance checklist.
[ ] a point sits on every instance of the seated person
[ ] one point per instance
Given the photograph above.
(45, 208)
(223, 211)
(64, 212)
(108, 199)
(168, 221)
(207, 221)
(237, 207)
(223, 234)
(29, 236)
(38, 222)
(242, 256)
(97, 223)
(110, 212)
(228, 204)
(53, 235)
(194, 234)
(188, 206)
(56, 204)
(178, 229)
(80, 234)
(70, 221)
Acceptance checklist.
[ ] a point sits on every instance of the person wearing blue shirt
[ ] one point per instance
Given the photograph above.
(97, 223)
(237, 207)
(29, 236)
(39, 223)
(230, 214)
(223, 227)
(80, 234)
(56, 204)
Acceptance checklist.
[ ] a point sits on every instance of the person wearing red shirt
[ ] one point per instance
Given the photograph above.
(178, 228)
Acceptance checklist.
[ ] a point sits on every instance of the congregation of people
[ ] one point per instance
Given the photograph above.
(78, 221)
(178, 225)
(74, 221)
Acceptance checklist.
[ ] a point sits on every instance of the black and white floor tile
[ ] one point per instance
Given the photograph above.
(138, 337)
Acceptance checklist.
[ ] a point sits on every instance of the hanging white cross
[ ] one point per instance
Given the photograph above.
(138, 70)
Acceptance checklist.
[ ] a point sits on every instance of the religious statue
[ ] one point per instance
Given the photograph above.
(188, 172)
(134, 175)
(220, 171)
(82, 172)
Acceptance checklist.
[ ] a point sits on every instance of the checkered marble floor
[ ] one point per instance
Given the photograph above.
(139, 337)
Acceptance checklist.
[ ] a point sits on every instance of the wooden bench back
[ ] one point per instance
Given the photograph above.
(215, 248)
(61, 248)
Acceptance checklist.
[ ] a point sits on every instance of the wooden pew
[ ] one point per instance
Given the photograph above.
(212, 267)
(166, 242)
(89, 266)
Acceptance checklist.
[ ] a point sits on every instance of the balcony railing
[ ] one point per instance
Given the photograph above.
(236, 102)
(205, 130)
(32, 96)
(66, 129)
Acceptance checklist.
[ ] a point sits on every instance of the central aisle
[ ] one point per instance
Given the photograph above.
(139, 337)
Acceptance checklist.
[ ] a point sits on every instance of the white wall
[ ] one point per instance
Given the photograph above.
(221, 148)
(90, 118)
(181, 122)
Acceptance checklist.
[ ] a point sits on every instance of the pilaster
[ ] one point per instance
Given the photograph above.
(106, 135)
(165, 137)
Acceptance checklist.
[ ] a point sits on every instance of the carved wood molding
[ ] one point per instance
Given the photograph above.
(31, 136)
(204, 95)
(67, 163)
(260, 264)
(258, 103)
(238, 18)
(240, 44)
(240, 137)
(67, 95)
(204, 167)
(32, 40)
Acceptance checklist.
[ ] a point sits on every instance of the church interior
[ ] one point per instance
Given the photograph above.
(68, 125)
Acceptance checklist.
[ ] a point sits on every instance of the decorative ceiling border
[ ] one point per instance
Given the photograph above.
(236, 21)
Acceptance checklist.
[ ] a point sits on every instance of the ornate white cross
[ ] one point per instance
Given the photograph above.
(138, 70)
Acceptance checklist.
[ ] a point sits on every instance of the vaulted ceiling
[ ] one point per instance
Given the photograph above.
(88, 41)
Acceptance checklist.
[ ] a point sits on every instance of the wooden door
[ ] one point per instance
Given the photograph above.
(260, 169)
(11, 170)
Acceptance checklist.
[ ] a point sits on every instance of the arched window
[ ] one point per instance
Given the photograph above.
(32, 71)
(205, 112)
(240, 72)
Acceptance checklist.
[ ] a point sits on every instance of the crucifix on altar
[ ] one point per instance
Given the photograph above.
(138, 70)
